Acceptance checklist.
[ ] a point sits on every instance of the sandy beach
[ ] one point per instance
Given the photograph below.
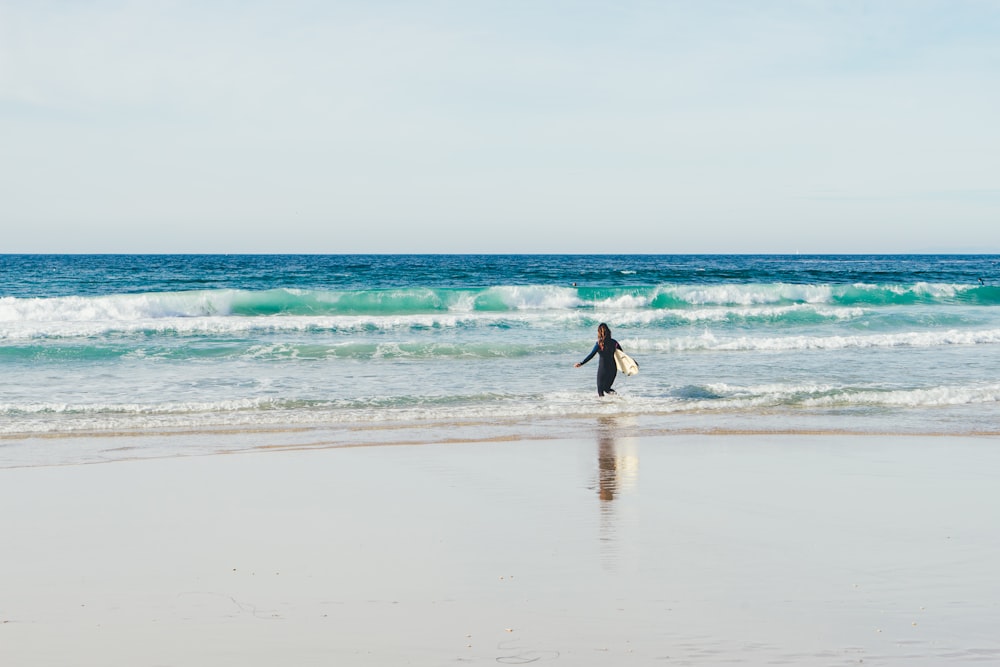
(678, 549)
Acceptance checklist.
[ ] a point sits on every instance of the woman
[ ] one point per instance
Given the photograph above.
(606, 368)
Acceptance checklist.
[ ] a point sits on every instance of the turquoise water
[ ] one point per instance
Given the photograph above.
(357, 349)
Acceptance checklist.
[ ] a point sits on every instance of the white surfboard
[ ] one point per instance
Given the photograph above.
(625, 363)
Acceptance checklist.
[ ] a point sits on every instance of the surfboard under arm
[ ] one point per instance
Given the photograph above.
(625, 363)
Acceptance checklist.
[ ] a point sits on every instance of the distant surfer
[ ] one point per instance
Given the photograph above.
(606, 368)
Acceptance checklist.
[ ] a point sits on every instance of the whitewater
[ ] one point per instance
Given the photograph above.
(370, 348)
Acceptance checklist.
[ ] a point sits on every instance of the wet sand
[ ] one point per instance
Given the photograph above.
(683, 549)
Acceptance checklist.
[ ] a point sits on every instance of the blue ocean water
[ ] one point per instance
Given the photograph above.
(352, 349)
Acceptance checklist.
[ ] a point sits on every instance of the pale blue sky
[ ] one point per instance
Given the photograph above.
(508, 126)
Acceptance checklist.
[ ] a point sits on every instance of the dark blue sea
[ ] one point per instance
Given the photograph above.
(115, 356)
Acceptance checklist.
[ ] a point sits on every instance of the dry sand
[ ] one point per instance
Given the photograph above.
(703, 550)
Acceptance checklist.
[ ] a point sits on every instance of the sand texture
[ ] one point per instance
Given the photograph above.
(675, 550)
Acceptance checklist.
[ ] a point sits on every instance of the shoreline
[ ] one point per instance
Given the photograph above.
(685, 549)
(182, 443)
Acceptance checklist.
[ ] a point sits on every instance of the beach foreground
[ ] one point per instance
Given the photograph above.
(679, 549)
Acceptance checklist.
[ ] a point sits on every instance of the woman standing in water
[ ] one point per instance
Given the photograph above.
(606, 368)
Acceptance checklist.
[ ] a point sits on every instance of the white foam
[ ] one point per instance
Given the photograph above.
(912, 398)
(710, 342)
(119, 307)
(748, 294)
(262, 412)
(535, 297)
(624, 302)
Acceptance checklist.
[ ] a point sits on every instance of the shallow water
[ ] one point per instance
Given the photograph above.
(364, 348)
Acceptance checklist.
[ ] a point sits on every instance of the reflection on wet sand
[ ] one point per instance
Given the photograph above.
(617, 476)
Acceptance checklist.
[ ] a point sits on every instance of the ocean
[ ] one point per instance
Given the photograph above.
(107, 357)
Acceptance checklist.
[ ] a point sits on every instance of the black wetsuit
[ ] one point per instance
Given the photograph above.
(607, 370)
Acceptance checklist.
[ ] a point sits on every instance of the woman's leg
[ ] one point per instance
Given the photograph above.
(606, 378)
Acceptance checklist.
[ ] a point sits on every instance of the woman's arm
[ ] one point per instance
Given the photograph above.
(589, 356)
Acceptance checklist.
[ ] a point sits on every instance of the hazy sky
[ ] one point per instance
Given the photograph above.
(507, 126)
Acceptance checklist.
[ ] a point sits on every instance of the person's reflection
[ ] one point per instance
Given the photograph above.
(617, 470)
(607, 463)
(607, 488)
